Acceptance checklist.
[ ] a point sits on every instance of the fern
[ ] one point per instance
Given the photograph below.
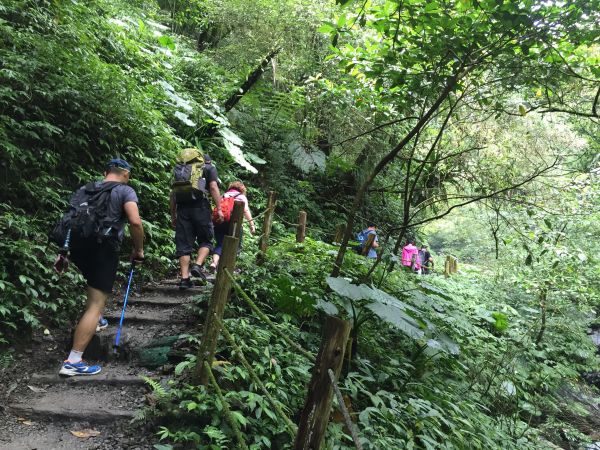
(216, 436)
(157, 388)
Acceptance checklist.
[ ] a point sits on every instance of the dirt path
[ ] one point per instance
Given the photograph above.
(39, 409)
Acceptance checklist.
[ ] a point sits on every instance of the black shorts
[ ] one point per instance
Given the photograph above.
(193, 225)
(98, 264)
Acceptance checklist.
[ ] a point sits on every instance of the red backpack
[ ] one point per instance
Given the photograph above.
(227, 204)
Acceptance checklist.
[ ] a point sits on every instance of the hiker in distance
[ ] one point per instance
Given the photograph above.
(195, 178)
(426, 260)
(410, 256)
(235, 192)
(362, 239)
(93, 230)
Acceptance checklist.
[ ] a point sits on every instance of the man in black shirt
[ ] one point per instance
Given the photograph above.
(98, 260)
(192, 222)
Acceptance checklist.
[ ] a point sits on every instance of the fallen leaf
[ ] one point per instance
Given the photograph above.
(26, 422)
(37, 390)
(21, 419)
(85, 434)
(11, 388)
(46, 332)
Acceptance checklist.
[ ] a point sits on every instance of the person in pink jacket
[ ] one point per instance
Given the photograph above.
(409, 252)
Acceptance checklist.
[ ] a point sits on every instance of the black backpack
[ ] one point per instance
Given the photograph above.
(86, 219)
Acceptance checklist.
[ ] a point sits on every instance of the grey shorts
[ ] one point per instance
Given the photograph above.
(194, 225)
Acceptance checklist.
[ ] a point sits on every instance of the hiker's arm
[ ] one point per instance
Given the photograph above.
(173, 209)
(136, 229)
(248, 216)
(375, 243)
(216, 195)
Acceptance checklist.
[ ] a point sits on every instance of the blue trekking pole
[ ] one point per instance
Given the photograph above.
(118, 337)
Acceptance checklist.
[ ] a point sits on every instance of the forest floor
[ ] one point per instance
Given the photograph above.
(40, 410)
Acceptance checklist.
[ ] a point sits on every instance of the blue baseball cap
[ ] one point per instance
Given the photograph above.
(120, 163)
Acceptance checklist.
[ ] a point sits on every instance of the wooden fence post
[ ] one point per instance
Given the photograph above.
(339, 233)
(266, 231)
(237, 219)
(315, 414)
(301, 230)
(454, 264)
(368, 244)
(220, 295)
(447, 267)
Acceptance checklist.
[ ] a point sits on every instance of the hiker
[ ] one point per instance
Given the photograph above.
(425, 259)
(236, 192)
(195, 179)
(410, 253)
(93, 240)
(362, 239)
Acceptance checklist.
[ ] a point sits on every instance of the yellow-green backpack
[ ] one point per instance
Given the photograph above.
(189, 183)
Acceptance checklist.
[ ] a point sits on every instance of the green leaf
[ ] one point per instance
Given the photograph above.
(167, 41)
(398, 318)
(191, 406)
(345, 288)
(240, 417)
(163, 446)
(327, 27)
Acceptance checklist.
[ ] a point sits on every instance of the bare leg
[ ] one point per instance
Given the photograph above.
(184, 264)
(202, 254)
(96, 299)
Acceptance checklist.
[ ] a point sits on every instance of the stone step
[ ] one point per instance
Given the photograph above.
(75, 404)
(65, 412)
(146, 316)
(155, 300)
(109, 379)
(174, 291)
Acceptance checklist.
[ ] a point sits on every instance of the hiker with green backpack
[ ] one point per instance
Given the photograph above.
(235, 192)
(195, 179)
(90, 234)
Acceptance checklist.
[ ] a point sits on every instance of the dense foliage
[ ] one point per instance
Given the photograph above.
(470, 125)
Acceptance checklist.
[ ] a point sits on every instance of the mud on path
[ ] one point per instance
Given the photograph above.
(39, 409)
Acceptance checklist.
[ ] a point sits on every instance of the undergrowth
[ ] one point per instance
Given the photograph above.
(467, 376)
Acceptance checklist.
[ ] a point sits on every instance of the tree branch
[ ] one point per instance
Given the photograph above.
(250, 81)
(478, 198)
(378, 127)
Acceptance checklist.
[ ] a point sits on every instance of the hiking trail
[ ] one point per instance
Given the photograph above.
(41, 410)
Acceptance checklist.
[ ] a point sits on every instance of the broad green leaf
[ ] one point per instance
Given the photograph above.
(345, 288)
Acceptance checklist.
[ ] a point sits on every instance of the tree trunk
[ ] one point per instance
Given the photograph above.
(251, 80)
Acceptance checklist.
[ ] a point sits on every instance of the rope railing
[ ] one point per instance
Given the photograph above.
(317, 407)
(291, 427)
(225, 405)
(263, 316)
(312, 227)
(258, 216)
